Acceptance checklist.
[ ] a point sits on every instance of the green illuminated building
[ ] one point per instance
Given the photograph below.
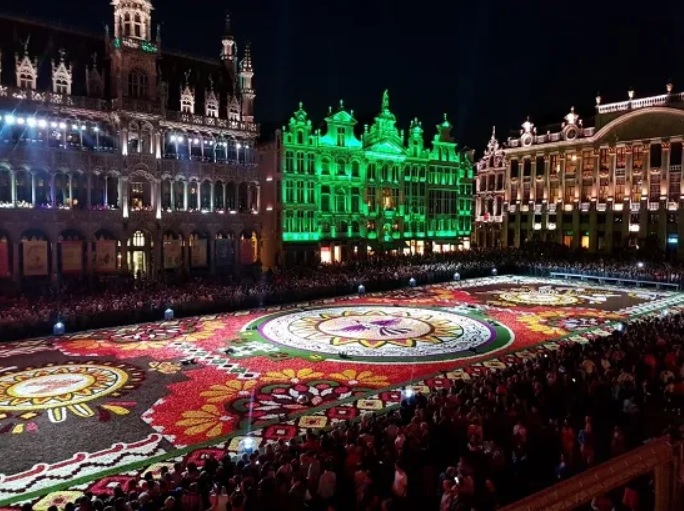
(345, 197)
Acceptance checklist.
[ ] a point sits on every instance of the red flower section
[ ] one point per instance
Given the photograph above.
(281, 432)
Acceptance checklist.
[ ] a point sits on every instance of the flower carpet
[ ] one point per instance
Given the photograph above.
(85, 411)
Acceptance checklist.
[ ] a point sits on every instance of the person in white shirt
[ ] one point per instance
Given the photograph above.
(400, 484)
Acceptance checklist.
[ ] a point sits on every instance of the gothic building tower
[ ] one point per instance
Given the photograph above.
(132, 52)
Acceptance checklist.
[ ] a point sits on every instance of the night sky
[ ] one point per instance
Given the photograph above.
(484, 62)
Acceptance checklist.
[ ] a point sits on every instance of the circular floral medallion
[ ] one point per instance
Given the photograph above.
(538, 297)
(559, 296)
(378, 333)
(57, 388)
(152, 332)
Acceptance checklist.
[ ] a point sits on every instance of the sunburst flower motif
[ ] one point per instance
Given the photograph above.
(229, 390)
(406, 328)
(59, 389)
(208, 421)
(165, 367)
(361, 378)
(291, 375)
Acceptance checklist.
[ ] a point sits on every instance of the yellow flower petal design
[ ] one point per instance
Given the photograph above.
(117, 410)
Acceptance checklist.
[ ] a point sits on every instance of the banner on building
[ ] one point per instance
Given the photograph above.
(105, 256)
(4, 258)
(246, 251)
(173, 254)
(224, 252)
(72, 256)
(198, 253)
(35, 254)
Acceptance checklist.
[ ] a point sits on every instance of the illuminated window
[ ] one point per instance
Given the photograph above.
(571, 163)
(554, 164)
(310, 163)
(355, 169)
(138, 239)
(387, 201)
(588, 159)
(370, 197)
(620, 158)
(638, 157)
(300, 163)
(569, 193)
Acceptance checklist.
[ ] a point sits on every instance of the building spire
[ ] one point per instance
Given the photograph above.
(385, 101)
(246, 64)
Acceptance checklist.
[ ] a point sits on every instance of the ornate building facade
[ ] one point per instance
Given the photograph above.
(344, 197)
(116, 155)
(604, 185)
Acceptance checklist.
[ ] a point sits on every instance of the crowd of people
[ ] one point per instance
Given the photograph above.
(466, 446)
(124, 300)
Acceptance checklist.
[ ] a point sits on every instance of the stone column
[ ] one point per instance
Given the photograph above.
(199, 195)
(158, 198)
(123, 195)
(71, 191)
(172, 186)
(13, 184)
(157, 149)
(89, 187)
(185, 195)
(33, 189)
(212, 193)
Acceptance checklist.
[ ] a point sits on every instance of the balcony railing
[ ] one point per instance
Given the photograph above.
(51, 98)
(621, 106)
(211, 122)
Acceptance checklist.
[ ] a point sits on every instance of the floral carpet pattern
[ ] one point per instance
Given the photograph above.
(88, 410)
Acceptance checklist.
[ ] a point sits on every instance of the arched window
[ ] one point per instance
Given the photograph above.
(341, 167)
(25, 81)
(61, 86)
(300, 138)
(137, 84)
